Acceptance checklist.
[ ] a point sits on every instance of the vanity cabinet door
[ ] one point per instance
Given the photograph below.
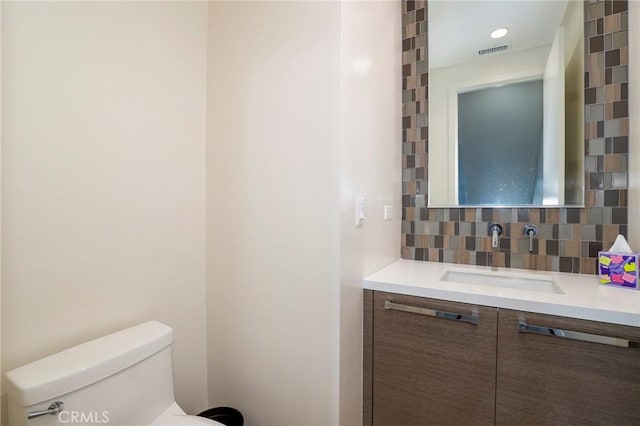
(546, 379)
(432, 370)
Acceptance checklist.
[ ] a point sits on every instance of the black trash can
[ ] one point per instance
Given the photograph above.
(226, 415)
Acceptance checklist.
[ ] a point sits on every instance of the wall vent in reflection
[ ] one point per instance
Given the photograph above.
(494, 49)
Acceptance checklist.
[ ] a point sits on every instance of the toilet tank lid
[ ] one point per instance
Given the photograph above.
(85, 364)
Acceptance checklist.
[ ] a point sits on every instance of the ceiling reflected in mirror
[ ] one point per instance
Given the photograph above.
(506, 149)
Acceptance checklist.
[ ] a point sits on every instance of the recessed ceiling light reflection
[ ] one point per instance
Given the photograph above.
(500, 32)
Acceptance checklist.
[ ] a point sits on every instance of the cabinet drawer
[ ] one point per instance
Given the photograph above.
(433, 362)
(550, 373)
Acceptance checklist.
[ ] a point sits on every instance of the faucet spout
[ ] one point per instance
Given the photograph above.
(495, 230)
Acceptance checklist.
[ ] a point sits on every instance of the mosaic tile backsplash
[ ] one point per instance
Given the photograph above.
(569, 238)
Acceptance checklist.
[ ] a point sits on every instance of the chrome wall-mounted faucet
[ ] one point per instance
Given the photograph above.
(495, 230)
(530, 231)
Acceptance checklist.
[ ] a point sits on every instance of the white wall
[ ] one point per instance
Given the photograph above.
(553, 133)
(103, 177)
(442, 130)
(370, 166)
(273, 210)
(301, 120)
(574, 103)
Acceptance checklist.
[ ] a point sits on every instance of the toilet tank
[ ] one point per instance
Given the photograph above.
(121, 379)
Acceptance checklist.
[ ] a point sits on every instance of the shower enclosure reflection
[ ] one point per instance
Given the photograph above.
(500, 145)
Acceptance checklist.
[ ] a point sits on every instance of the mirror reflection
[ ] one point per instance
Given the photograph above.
(506, 103)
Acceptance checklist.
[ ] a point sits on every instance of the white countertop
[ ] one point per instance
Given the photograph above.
(583, 296)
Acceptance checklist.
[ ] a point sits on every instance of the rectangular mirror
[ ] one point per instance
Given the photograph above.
(506, 114)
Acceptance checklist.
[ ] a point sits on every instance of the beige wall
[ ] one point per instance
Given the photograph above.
(103, 177)
(370, 166)
(273, 210)
(104, 199)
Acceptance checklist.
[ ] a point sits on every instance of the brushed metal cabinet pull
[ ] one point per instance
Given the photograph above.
(523, 327)
(474, 318)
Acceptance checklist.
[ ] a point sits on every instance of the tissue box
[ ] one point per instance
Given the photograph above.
(619, 269)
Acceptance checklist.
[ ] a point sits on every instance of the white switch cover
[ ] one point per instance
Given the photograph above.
(388, 212)
(359, 211)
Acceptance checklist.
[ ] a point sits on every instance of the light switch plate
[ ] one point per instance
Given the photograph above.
(359, 211)
(388, 212)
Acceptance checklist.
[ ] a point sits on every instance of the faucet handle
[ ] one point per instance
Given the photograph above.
(530, 231)
(495, 227)
(495, 230)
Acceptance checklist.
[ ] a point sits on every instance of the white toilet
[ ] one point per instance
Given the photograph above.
(123, 379)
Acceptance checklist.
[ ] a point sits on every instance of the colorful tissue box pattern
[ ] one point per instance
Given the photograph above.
(618, 269)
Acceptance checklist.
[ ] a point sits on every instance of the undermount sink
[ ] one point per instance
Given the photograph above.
(503, 279)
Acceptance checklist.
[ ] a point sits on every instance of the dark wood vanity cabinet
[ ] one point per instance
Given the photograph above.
(430, 370)
(475, 365)
(548, 379)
